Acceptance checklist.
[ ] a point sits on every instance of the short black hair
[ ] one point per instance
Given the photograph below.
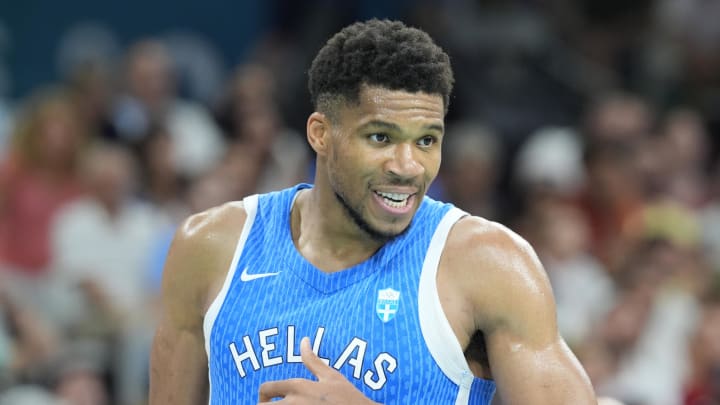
(380, 53)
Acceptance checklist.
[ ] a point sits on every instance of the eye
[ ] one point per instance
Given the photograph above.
(426, 141)
(379, 138)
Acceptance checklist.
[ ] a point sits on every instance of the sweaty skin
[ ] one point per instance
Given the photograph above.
(489, 279)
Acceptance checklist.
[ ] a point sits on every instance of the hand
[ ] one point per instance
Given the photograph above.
(330, 388)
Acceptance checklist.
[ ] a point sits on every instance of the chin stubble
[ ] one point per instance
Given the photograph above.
(381, 237)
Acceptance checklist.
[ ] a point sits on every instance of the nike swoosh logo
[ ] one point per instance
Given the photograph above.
(244, 276)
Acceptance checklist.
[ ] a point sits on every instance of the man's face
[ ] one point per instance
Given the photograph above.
(382, 156)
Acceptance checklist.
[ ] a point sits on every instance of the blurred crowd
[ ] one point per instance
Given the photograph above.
(588, 127)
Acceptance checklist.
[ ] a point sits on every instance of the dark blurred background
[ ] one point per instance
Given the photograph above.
(589, 127)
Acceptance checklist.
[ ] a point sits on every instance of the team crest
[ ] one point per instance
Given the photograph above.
(387, 304)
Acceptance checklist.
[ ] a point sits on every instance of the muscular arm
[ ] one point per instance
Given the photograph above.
(512, 304)
(196, 264)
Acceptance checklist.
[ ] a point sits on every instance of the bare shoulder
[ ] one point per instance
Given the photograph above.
(201, 253)
(205, 234)
(485, 248)
(500, 272)
(212, 221)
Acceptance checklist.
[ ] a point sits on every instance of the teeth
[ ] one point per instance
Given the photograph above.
(394, 204)
(394, 196)
(394, 200)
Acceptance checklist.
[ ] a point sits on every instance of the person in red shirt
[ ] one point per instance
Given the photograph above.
(37, 176)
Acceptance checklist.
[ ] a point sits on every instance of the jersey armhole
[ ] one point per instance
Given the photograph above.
(437, 332)
(250, 204)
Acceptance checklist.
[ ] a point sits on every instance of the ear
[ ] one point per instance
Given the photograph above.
(318, 132)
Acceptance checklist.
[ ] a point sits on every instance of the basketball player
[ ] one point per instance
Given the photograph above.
(403, 300)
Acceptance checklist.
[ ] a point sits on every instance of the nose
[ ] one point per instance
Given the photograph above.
(404, 163)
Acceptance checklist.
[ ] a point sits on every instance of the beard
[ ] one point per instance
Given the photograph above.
(337, 184)
(374, 234)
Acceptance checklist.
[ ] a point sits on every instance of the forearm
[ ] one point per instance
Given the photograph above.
(178, 369)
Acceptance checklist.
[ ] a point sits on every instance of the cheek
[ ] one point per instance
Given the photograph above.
(432, 165)
(340, 169)
(348, 160)
(350, 172)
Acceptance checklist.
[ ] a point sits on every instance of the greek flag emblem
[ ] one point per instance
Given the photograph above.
(387, 304)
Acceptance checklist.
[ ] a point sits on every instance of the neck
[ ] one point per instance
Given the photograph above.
(325, 235)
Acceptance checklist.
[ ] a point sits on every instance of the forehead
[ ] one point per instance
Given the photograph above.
(395, 106)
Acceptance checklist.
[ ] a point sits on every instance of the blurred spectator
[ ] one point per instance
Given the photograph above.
(550, 161)
(704, 383)
(691, 26)
(469, 174)
(87, 59)
(261, 147)
(151, 99)
(81, 387)
(29, 395)
(114, 224)
(615, 128)
(664, 220)
(80, 374)
(110, 276)
(38, 177)
(505, 58)
(612, 194)
(584, 292)
(710, 220)
(618, 116)
(160, 182)
(606, 40)
(92, 88)
(657, 310)
(198, 68)
(27, 344)
(686, 163)
(87, 43)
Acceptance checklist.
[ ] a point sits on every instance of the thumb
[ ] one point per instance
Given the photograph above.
(314, 363)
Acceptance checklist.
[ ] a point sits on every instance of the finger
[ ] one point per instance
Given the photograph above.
(283, 388)
(274, 389)
(313, 363)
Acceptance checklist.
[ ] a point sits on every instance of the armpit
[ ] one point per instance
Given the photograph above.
(477, 357)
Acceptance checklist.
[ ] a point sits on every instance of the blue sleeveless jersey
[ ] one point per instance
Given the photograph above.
(380, 322)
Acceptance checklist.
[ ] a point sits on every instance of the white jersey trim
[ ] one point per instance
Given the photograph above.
(437, 332)
(250, 204)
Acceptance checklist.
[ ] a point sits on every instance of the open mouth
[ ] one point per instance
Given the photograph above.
(394, 200)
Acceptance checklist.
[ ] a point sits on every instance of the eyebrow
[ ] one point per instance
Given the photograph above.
(394, 127)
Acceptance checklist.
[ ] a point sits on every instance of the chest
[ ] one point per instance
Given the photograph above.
(364, 322)
(273, 308)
